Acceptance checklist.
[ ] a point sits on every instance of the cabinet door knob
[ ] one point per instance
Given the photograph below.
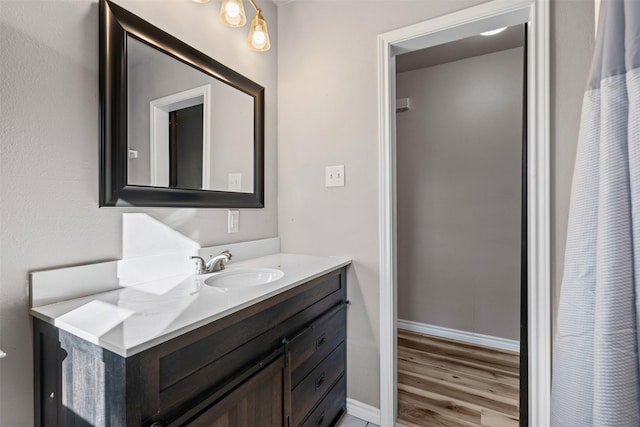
(156, 424)
(320, 381)
(320, 341)
(320, 420)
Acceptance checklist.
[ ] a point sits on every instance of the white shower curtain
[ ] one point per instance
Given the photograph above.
(595, 378)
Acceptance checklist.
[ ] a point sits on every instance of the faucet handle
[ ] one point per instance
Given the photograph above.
(200, 263)
(225, 253)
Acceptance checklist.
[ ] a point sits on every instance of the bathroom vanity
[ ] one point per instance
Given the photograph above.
(268, 355)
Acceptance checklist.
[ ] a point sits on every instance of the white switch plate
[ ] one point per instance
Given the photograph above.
(334, 176)
(233, 221)
(235, 181)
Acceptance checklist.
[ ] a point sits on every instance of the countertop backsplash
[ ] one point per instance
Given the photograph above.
(61, 284)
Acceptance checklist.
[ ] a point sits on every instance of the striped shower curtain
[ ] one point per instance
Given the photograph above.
(595, 378)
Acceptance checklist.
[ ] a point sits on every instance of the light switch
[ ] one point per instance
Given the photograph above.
(334, 176)
(233, 221)
(235, 182)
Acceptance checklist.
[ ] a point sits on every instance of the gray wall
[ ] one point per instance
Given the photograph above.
(572, 43)
(459, 184)
(326, 82)
(327, 114)
(49, 213)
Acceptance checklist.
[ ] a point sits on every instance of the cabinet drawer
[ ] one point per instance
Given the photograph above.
(331, 408)
(314, 344)
(316, 384)
(256, 402)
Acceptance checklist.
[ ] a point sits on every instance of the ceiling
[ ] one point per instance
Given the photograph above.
(460, 49)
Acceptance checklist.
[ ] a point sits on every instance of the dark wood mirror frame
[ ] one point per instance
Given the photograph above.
(116, 24)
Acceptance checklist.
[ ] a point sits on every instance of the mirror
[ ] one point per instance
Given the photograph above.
(179, 129)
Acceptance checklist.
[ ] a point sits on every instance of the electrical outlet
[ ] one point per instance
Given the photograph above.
(235, 182)
(233, 221)
(334, 176)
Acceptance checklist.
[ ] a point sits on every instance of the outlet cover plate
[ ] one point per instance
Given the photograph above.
(334, 176)
(233, 221)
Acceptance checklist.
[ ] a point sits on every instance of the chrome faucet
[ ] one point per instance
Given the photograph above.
(215, 263)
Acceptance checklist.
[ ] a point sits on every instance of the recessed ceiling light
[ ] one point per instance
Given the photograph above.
(493, 32)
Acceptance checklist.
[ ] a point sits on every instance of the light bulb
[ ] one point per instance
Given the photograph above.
(258, 34)
(232, 10)
(259, 37)
(232, 13)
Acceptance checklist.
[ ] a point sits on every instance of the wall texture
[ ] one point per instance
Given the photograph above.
(49, 213)
(458, 177)
(327, 114)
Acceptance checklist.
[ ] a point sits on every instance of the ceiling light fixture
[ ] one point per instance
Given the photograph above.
(232, 14)
(493, 32)
(258, 33)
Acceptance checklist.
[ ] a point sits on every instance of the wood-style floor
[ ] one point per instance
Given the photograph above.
(447, 383)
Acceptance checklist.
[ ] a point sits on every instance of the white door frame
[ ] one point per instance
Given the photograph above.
(467, 22)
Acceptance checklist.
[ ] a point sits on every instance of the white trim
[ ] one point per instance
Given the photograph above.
(159, 132)
(596, 15)
(365, 412)
(387, 232)
(458, 335)
(436, 31)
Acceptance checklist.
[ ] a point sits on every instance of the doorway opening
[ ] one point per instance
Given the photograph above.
(461, 204)
(193, 108)
(535, 355)
(185, 147)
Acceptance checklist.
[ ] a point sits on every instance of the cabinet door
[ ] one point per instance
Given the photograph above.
(257, 402)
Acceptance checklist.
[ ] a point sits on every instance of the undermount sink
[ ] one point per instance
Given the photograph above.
(244, 278)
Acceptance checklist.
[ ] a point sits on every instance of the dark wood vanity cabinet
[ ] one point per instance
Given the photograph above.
(281, 362)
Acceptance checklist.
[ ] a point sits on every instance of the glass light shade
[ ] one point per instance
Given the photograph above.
(232, 13)
(258, 34)
(200, 1)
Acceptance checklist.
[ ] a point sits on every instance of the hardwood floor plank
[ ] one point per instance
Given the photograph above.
(510, 389)
(490, 359)
(466, 385)
(495, 419)
(443, 382)
(459, 365)
(436, 408)
(467, 350)
(471, 396)
(459, 344)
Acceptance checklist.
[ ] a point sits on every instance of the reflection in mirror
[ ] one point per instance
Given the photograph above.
(186, 129)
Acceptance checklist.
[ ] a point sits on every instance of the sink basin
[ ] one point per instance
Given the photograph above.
(244, 278)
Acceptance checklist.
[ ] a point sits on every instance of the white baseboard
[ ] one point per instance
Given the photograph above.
(363, 411)
(454, 334)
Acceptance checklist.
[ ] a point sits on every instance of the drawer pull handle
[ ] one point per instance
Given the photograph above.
(320, 341)
(320, 420)
(320, 381)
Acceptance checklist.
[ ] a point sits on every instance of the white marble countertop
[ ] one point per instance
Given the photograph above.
(129, 320)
